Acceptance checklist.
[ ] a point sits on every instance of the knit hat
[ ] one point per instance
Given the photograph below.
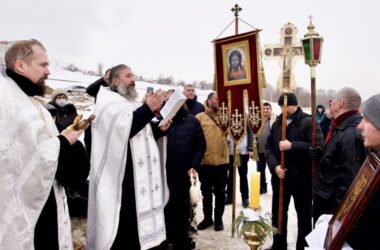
(371, 110)
(291, 100)
(58, 92)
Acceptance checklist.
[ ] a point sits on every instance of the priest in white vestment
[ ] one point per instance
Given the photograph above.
(36, 163)
(128, 189)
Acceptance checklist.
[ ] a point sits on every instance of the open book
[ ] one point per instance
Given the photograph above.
(172, 106)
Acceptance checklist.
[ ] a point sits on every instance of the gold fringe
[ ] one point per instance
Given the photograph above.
(225, 152)
(255, 156)
(263, 79)
(237, 162)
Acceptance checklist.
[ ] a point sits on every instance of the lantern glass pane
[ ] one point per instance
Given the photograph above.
(317, 48)
(306, 49)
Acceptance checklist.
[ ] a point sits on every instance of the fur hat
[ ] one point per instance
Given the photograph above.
(291, 100)
(58, 92)
(371, 110)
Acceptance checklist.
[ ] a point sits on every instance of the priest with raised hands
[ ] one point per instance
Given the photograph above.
(128, 189)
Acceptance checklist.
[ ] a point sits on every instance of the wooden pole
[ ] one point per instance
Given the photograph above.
(236, 9)
(233, 193)
(313, 128)
(313, 117)
(282, 162)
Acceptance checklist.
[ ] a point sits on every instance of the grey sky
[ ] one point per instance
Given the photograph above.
(174, 37)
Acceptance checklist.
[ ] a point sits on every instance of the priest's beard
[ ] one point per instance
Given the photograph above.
(40, 86)
(129, 92)
(215, 109)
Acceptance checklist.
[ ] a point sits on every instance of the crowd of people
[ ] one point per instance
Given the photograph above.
(139, 169)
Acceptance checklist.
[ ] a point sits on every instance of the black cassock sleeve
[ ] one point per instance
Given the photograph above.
(73, 169)
(141, 117)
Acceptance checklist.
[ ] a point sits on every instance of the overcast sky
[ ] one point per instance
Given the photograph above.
(173, 38)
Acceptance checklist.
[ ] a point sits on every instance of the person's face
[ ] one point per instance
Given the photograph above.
(335, 106)
(107, 76)
(267, 112)
(370, 133)
(213, 102)
(126, 78)
(61, 97)
(320, 110)
(189, 92)
(290, 109)
(235, 61)
(38, 69)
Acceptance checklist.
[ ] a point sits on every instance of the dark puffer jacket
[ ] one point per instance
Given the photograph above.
(194, 107)
(186, 146)
(340, 160)
(297, 161)
(65, 115)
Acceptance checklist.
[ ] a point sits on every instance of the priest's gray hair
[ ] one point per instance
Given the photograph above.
(115, 73)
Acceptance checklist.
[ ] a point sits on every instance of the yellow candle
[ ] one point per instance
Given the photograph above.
(255, 190)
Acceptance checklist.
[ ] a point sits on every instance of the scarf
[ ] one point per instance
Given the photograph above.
(336, 122)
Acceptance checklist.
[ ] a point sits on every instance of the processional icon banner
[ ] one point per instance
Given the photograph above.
(238, 83)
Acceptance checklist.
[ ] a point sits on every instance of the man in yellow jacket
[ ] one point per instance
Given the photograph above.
(213, 172)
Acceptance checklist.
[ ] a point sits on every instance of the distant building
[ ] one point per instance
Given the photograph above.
(208, 86)
(4, 45)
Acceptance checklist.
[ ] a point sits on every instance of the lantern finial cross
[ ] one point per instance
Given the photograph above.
(311, 18)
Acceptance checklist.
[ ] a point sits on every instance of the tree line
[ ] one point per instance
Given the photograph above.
(303, 95)
(270, 93)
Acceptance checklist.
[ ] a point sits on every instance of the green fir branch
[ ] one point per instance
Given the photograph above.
(263, 227)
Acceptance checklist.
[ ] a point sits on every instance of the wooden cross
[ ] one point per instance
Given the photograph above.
(236, 9)
(288, 49)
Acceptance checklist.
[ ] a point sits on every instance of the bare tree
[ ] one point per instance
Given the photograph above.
(202, 84)
(181, 83)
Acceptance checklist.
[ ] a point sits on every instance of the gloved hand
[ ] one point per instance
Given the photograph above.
(315, 153)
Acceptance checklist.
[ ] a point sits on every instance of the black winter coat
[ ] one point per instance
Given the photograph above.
(194, 107)
(297, 161)
(340, 160)
(93, 88)
(186, 146)
(65, 115)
